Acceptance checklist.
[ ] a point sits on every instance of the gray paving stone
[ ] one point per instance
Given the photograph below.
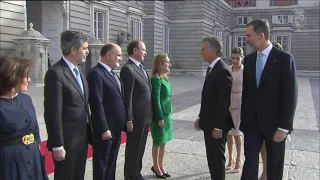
(180, 125)
(315, 84)
(197, 137)
(188, 114)
(301, 173)
(306, 140)
(186, 99)
(305, 159)
(182, 84)
(181, 146)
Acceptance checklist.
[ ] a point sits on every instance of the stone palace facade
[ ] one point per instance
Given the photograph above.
(174, 27)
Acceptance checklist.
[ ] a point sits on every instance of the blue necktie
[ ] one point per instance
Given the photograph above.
(76, 71)
(259, 68)
(142, 69)
(78, 77)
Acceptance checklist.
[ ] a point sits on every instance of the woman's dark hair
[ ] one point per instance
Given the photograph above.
(12, 72)
(277, 45)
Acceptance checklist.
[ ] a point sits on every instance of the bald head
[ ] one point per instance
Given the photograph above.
(111, 55)
(107, 48)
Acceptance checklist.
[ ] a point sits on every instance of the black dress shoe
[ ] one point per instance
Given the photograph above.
(157, 175)
(166, 174)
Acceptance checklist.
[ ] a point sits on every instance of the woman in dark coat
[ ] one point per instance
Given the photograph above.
(20, 157)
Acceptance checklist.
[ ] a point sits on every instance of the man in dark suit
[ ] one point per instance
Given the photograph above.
(214, 117)
(66, 110)
(107, 112)
(269, 100)
(138, 104)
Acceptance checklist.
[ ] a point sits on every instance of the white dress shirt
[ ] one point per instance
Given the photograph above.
(70, 65)
(138, 64)
(213, 63)
(265, 55)
(109, 70)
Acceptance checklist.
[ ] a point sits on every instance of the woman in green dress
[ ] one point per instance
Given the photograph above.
(161, 125)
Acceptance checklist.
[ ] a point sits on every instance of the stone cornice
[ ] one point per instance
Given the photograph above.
(161, 18)
(211, 23)
(121, 10)
(135, 11)
(106, 3)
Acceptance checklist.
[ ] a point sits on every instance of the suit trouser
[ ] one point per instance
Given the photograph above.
(73, 167)
(105, 154)
(253, 139)
(215, 149)
(135, 147)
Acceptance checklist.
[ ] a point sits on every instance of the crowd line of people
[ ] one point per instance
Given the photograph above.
(253, 99)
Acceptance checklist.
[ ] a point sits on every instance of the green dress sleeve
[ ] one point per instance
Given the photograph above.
(156, 88)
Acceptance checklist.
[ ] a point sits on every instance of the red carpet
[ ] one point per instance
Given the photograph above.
(48, 156)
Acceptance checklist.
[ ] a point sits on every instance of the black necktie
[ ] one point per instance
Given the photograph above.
(208, 70)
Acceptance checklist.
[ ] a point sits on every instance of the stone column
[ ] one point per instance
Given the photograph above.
(93, 58)
(31, 44)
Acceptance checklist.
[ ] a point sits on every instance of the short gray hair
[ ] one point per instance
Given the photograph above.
(215, 43)
(70, 39)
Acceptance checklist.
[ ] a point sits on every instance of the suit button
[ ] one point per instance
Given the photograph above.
(27, 120)
(28, 162)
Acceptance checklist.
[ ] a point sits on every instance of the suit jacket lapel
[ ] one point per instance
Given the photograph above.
(138, 70)
(267, 67)
(109, 76)
(85, 84)
(213, 71)
(252, 62)
(67, 72)
(121, 86)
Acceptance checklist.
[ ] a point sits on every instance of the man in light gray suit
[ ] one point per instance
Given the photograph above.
(138, 105)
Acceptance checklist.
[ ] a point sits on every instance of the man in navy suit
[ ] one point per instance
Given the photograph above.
(269, 100)
(108, 112)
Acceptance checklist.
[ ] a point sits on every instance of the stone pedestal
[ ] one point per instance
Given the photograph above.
(31, 44)
(93, 58)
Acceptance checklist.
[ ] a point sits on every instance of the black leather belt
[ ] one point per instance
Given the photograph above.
(26, 140)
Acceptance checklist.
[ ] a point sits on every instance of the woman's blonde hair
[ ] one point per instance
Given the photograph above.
(156, 64)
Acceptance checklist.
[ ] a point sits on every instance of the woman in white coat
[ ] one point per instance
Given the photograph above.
(235, 134)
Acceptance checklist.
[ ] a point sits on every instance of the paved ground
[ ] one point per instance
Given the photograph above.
(185, 155)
